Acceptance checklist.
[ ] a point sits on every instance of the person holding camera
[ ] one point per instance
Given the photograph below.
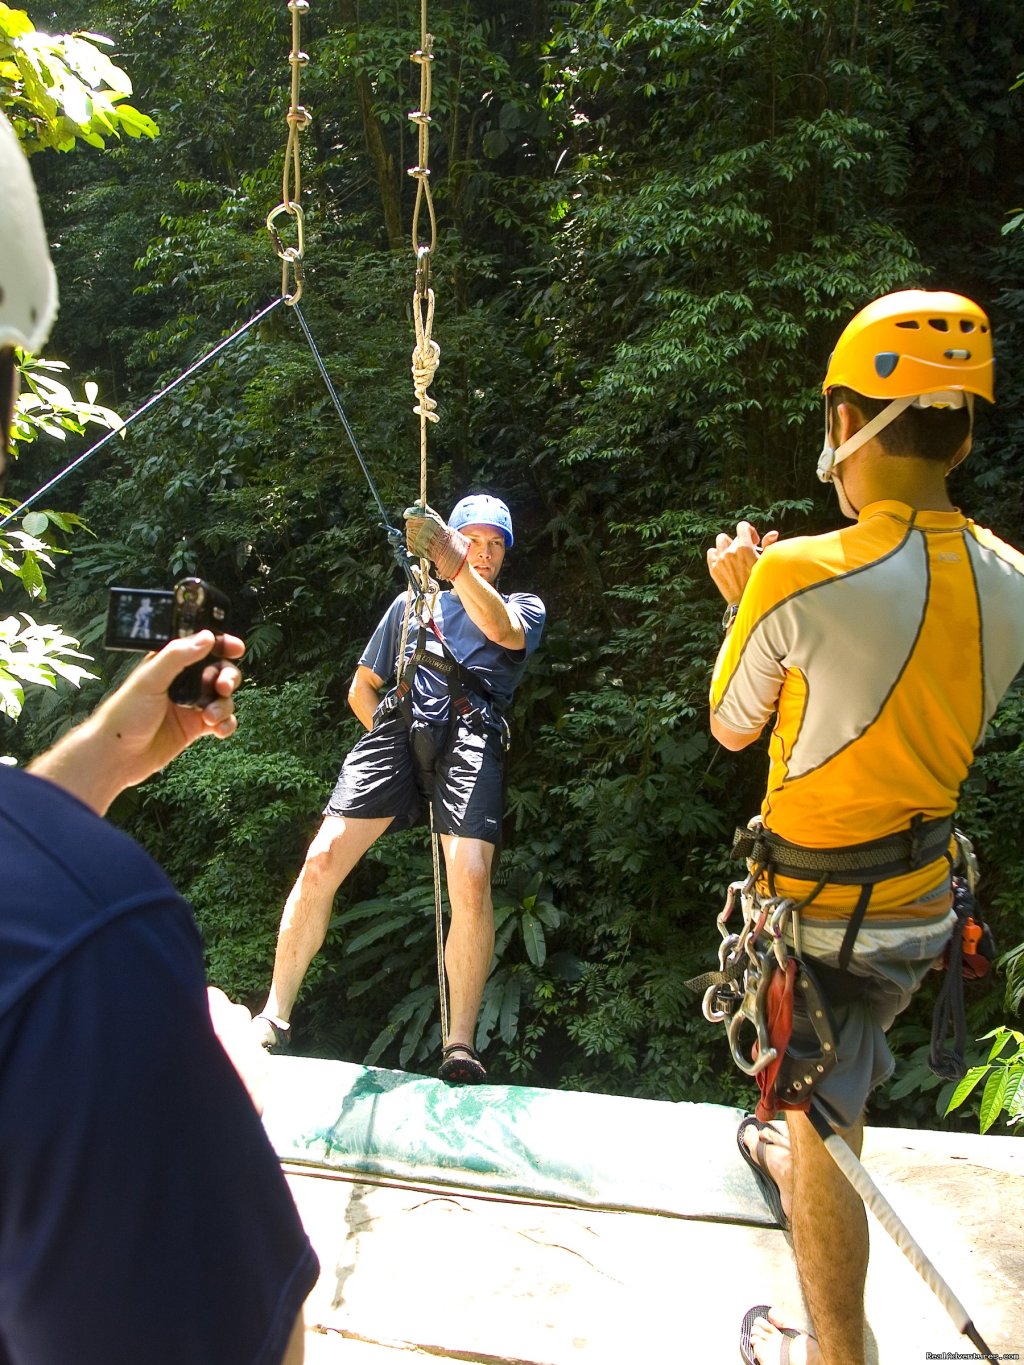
(143, 1213)
(434, 746)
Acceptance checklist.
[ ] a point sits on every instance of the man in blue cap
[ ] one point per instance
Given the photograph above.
(433, 751)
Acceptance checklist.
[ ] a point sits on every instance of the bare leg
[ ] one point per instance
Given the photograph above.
(336, 848)
(830, 1242)
(470, 944)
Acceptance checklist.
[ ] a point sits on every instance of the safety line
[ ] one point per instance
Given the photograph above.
(146, 407)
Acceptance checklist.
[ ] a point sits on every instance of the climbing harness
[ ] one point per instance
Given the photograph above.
(781, 995)
(784, 997)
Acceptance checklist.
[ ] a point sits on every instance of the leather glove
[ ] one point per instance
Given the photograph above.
(430, 537)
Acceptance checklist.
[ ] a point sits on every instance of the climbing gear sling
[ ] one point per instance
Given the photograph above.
(784, 996)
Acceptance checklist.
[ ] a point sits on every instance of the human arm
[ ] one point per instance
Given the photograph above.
(137, 729)
(364, 694)
(489, 611)
(233, 1026)
(733, 740)
(748, 674)
(455, 556)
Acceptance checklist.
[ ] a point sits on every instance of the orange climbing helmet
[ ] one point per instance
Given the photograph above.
(916, 341)
(917, 348)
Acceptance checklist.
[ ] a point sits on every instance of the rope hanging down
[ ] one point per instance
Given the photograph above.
(426, 354)
(426, 357)
(298, 120)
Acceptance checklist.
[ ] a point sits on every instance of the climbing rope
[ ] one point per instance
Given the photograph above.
(298, 119)
(426, 357)
(426, 353)
(150, 403)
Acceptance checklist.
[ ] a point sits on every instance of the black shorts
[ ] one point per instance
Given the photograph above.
(397, 772)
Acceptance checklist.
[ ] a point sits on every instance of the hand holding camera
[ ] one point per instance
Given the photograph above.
(146, 619)
(139, 728)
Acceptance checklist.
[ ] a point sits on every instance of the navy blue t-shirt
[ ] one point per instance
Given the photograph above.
(143, 1214)
(499, 669)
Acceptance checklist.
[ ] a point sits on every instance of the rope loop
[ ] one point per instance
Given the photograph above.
(298, 120)
(426, 356)
(423, 57)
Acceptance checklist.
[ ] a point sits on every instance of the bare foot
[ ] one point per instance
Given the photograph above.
(772, 1346)
(769, 1148)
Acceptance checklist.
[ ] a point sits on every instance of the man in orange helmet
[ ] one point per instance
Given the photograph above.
(882, 649)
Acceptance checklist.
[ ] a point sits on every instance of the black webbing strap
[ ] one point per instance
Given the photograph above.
(461, 680)
(855, 865)
(864, 865)
(853, 928)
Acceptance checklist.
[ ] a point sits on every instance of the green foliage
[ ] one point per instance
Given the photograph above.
(390, 945)
(60, 90)
(652, 223)
(1003, 1077)
(35, 654)
(47, 407)
(227, 821)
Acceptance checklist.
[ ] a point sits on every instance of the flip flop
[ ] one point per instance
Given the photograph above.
(271, 1033)
(746, 1346)
(460, 1065)
(769, 1189)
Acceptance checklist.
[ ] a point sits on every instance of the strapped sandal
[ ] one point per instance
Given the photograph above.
(770, 1192)
(460, 1065)
(272, 1033)
(788, 1334)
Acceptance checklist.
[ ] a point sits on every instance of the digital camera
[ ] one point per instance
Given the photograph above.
(146, 619)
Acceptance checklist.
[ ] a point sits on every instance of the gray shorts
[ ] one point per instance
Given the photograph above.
(398, 772)
(890, 961)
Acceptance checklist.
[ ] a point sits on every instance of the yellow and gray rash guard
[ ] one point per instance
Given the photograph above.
(884, 648)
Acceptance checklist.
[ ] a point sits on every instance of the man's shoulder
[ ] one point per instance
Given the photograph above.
(988, 540)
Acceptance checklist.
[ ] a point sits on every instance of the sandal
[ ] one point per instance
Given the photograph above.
(788, 1334)
(272, 1033)
(460, 1065)
(770, 1191)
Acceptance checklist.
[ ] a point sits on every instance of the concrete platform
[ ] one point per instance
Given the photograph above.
(643, 1238)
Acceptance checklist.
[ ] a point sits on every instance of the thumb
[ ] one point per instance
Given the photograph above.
(156, 673)
(769, 538)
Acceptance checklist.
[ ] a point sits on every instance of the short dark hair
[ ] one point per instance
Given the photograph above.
(919, 433)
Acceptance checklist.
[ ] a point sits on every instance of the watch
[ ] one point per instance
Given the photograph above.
(728, 616)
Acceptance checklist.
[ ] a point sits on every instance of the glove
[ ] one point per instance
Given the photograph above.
(429, 537)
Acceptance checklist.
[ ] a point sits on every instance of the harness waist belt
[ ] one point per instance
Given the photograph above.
(923, 842)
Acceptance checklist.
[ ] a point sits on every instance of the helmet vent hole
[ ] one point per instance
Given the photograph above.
(940, 324)
(966, 325)
(885, 363)
(910, 325)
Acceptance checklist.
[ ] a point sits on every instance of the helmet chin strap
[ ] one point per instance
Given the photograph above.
(833, 455)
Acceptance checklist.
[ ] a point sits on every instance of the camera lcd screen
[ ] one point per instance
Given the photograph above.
(139, 618)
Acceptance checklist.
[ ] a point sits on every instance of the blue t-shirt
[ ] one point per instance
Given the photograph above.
(143, 1214)
(500, 670)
